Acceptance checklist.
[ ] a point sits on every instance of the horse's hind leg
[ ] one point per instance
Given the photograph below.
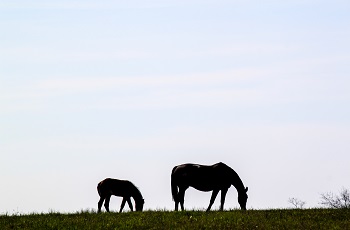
(181, 197)
(176, 205)
(100, 202)
(176, 200)
(108, 198)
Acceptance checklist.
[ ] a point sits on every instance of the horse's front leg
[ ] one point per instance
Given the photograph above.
(223, 196)
(130, 204)
(212, 199)
(123, 204)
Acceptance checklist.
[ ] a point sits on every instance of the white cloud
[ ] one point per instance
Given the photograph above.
(41, 54)
(20, 4)
(162, 81)
(143, 91)
(93, 5)
(291, 81)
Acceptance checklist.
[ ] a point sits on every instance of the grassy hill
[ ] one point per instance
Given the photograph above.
(234, 219)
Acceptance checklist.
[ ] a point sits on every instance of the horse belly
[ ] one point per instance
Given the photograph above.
(119, 193)
(209, 184)
(202, 178)
(203, 188)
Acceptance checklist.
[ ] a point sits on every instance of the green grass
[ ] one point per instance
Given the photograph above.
(235, 219)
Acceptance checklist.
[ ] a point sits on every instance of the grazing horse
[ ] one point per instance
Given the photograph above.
(217, 177)
(123, 188)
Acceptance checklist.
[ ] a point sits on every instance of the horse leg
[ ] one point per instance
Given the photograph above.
(123, 204)
(100, 202)
(130, 204)
(176, 205)
(212, 199)
(177, 201)
(108, 198)
(223, 196)
(181, 197)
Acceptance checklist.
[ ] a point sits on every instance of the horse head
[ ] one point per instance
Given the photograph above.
(242, 198)
(139, 205)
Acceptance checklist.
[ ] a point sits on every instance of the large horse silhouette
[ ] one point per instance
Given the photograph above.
(123, 188)
(217, 177)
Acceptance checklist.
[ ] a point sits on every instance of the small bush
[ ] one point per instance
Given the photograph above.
(331, 200)
(297, 203)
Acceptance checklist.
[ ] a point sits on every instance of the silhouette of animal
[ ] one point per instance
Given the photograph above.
(217, 177)
(122, 188)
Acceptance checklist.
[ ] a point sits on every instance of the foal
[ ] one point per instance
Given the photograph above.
(122, 188)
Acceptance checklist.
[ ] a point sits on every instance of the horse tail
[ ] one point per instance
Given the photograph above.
(99, 189)
(173, 185)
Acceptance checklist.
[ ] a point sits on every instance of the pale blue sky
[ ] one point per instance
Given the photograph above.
(90, 90)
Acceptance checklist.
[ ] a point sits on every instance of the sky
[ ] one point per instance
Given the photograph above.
(130, 89)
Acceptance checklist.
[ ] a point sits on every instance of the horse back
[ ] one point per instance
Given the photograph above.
(215, 169)
(115, 187)
(202, 177)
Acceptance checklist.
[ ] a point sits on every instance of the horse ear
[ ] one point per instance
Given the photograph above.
(246, 189)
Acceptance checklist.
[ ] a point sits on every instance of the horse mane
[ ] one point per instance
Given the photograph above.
(236, 180)
(136, 193)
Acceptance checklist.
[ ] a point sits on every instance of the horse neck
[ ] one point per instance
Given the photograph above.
(237, 182)
(136, 194)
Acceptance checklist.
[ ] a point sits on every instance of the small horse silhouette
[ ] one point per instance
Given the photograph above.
(123, 188)
(217, 177)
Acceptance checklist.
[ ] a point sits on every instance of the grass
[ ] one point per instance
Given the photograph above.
(234, 219)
